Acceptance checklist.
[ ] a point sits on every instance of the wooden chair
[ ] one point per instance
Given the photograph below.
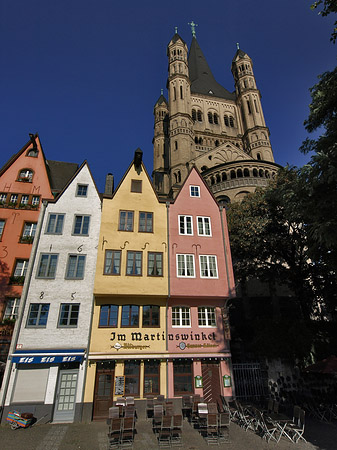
(212, 408)
(114, 435)
(164, 437)
(212, 429)
(223, 430)
(149, 407)
(158, 413)
(177, 429)
(114, 412)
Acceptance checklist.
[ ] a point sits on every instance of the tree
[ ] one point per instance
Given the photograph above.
(319, 176)
(329, 6)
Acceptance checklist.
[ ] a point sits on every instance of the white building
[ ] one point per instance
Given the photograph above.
(49, 362)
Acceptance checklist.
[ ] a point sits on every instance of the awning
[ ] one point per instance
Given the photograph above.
(48, 356)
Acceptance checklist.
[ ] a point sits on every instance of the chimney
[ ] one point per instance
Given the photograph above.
(109, 184)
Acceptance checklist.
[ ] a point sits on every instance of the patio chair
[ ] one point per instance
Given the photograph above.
(114, 435)
(266, 429)
(164, 437)
(149, 407)
(130, 411)
(232, 409)
(196, 398)
(130, 401)
(194, 416)
(177, 429)
(295, 431)
(114, 412)
(202, 415)
(169, 409)
(246, 419)
(186, 406)
(158, 412)
(223, 430)
(159, 400)
(212, 408)
(212, 429)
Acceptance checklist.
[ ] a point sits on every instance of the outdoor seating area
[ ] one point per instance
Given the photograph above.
(122, 423)
(268, 422)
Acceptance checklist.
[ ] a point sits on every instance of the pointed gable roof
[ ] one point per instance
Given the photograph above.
(239, 55)
(161, 100)
(203, 81)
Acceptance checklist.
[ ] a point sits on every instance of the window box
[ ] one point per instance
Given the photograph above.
(17, 280)
(26, 239)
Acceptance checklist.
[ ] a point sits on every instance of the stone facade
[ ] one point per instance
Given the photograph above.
(223, 134)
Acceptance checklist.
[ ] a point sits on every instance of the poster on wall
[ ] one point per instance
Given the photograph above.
(119, 385)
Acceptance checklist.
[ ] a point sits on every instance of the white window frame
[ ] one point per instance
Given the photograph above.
(178, 316)
(12, 308)
(185, 258)
(29, 229)
(208, 259)
(3, 197)
(20, 271)
(203, 314)
(35, 200)
(14, 198)
(203, 226)
(183, 222)
(24, 199)
(194, 191)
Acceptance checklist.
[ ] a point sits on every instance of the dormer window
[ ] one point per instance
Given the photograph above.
(25, 175)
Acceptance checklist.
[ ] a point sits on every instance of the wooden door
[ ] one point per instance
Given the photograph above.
(103, 397)
(211, 381)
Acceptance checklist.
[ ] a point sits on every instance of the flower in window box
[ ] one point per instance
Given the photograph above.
(24, 179)
(26, 239)
(17, 280)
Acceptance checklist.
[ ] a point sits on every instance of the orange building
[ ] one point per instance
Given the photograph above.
(25, 180)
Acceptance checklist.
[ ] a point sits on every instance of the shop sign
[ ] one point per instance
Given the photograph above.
(139, 336)
(43, 357)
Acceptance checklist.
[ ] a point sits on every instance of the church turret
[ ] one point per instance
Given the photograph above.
(180, 120)
(256, 134)
(161, 145)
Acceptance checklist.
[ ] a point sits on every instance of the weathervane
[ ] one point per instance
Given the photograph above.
(193, 25)
(176, 30)
(162, 91)
(238, 46)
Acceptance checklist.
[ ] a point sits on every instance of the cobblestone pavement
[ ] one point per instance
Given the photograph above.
(93, 436)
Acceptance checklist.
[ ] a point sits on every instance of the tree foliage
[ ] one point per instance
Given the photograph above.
(329, 6)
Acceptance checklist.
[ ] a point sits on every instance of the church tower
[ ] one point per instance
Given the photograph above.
(202, 124)
(256, 134)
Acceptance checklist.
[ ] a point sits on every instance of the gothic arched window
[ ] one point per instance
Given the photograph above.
(199, 116)
(231, 121)
(210, 117)
(226, 121)
(194, 115)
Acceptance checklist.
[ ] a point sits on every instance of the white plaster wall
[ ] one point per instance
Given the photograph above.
(60, 290)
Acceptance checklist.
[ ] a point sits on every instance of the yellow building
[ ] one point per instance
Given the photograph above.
(128, 339)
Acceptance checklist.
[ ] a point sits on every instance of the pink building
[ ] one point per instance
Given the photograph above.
(201, 282)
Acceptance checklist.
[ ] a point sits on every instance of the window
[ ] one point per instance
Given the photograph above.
(226, 121)
(25, 175)
(55, 224)
(24, 199)
(155, 264)
(151, 377)
(210, 117)
(194, 115)
(82, 190)
(108, 316)
(134, 263)
(183, 376)
(215, 118)
(12, 308)
(199, 116)
(69, 314)
(231, 121)
(130, 316)
(131, 373)
(2, 226)
(194, 191)
(47, 266)
(33, 152)
(81, 225)
(181, 316)
(75, 267)
(28, 232)
(208, 266)
(204, 226)
(151, 316)
(185, 225)
(35, 200)
(136, 186)
(3, 198)
(112, 263)
(38, 315)
(146, 222)
(249, 108)
(125, 221)
(185, 266)
(14, 199)
(206, 316)
(19, 271)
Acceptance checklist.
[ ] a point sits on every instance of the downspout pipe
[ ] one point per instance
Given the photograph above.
(168, 284)
(23, 301)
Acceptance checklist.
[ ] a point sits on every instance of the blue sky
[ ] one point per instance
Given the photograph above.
(85, 74)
